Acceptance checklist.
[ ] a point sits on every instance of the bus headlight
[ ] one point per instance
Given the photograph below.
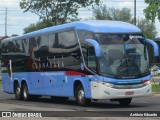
(108, 84)
(146, 82)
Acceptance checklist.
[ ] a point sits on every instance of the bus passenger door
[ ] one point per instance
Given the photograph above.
(70, 61)
(91, 58)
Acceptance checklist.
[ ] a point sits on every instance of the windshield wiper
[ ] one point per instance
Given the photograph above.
(145, 53)
(124, 60)
(130, 67)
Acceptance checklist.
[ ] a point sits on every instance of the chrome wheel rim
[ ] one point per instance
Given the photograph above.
(25, 92)
(81, 95)
(18, 91)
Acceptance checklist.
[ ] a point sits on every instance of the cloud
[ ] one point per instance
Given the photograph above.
(157, 23)
(128, 4)
(18, 20)
(9, 4)
(23, 19)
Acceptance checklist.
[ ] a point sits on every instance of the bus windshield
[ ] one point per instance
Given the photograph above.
(123, 55)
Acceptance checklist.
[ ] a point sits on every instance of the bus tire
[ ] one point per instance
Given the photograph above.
(80, 96)
(125, 101)
(17, 91)
(25, 93)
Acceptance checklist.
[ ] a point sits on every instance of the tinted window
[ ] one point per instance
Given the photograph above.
(91, 58)
(83, 34)
(70, 48)
(39, 46)
(25, 45)
(67, 39)
(87, 49)
(5, 47)
(46, 40)
(19, 46)
(51, 40)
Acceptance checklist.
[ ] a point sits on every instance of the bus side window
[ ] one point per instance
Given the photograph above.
(70, 49)
(91, 58)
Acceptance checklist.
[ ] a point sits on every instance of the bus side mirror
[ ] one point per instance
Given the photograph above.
(155, 48)
(96, 46)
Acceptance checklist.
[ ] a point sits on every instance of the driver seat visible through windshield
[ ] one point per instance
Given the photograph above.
(114, 55)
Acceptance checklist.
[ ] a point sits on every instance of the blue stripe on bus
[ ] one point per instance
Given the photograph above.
(60, 83)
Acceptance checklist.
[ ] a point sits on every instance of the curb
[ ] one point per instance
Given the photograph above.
(155, 92)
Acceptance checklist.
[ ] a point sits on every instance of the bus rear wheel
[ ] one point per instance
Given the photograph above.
(25, 93)
(17, 92)
(80, 96)
(125, 101)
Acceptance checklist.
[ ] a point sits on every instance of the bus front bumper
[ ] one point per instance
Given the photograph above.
(102, 91)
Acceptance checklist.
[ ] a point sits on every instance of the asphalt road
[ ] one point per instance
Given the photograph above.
(8, 103)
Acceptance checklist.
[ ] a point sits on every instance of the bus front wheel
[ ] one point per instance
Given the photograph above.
(125, 101)
(25, 93)
(80, 96)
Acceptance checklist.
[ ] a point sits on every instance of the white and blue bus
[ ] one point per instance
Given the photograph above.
(88, 60)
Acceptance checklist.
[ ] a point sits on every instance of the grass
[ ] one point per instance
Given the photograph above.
(156, 87)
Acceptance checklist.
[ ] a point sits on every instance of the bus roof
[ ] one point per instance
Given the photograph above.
(98, 26)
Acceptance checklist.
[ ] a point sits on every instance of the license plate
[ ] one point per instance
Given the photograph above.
(129, 93)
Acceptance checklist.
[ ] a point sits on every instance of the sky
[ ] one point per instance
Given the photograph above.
(17, 20)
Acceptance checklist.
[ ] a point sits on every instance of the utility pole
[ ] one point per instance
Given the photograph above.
(135, 12)
(6, 23)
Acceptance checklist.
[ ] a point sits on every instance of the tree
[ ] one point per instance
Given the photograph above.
(58, 11)
(103, 13)
(40, 25)
(148, 28)
(153, 10)
(33, 27)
